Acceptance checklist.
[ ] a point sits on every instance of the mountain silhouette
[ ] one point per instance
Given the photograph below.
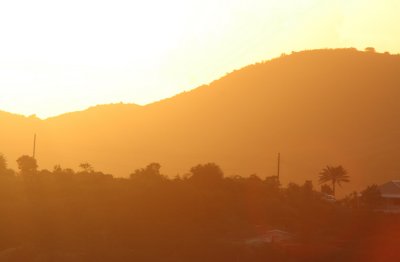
(317, 108)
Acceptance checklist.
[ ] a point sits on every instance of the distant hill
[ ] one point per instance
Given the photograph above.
(315, 107)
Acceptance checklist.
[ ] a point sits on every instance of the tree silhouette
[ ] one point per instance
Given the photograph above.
(3, 164)
(326, 189)
(335, 175)
(150, 173)
(371, 196)
(96, 217)
(86, 167)
(27, 165)
(207, 174)
(4, 170)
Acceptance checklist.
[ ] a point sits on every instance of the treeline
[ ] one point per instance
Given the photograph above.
(86, 215)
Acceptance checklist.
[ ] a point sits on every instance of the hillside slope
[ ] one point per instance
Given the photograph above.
(315, 107)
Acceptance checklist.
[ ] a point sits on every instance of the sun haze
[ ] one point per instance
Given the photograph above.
(212, 130)
(60, 56)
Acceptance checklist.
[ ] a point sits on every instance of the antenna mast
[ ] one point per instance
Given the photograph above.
(34, 146)
(279, 165)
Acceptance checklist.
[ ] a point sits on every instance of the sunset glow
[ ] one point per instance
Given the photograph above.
(200, 130)
(57, 57)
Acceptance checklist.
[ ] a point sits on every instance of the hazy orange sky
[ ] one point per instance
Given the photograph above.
(59, 56)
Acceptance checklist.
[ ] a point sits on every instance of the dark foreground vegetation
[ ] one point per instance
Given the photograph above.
(63, 215)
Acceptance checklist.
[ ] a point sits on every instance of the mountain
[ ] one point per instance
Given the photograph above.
(317, 108)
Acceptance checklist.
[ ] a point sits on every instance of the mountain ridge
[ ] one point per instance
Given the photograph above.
(316, 107)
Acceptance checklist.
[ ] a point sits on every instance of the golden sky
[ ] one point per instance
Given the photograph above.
(60, 56)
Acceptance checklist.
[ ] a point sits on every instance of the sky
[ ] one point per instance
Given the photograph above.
(62, 56)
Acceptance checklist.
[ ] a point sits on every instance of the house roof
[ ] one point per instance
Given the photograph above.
(390, 189)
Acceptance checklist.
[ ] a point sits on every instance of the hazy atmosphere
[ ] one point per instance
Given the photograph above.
(218, 131)
(61, 56)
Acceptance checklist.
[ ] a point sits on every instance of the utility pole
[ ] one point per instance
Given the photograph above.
(279, 166)
(34, 146)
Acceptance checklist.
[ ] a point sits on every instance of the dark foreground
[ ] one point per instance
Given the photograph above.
(62, 215)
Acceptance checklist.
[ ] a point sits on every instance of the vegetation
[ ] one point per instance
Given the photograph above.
(86, 215)
(313, 105)
(27, 165)
(335, 175)
(371, 197)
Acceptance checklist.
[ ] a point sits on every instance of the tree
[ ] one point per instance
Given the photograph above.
(370, 49)
(4, 170)
(326, 189)
(27, 165)
(308, 187)
(371, 196)
(207, 174)
(150, 174)
(335, 175)
(86, 167)
(272, 181)
(3, 164)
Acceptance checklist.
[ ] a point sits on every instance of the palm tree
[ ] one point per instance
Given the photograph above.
(334, 174)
